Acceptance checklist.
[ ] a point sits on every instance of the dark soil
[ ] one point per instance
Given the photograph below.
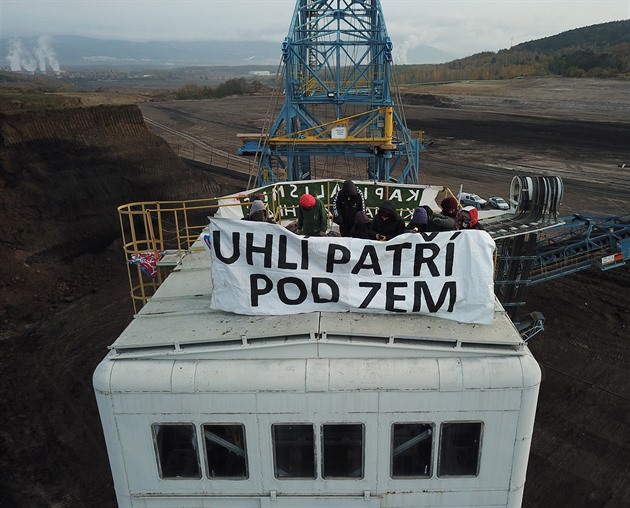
(64, 289)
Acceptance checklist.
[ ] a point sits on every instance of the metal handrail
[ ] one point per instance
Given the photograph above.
(155, 228)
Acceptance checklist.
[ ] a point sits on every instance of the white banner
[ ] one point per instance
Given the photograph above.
(261, 268)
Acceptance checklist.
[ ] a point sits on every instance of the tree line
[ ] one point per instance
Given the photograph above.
(598, 51)
(236, 86)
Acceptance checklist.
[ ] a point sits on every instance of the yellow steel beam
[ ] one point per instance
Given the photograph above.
(311, 140)
(307, 136)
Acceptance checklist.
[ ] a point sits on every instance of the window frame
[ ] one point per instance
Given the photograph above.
(439, 472)
(158, 449)
(274, 450)
(244, 450)
(322, 461)
(432, 450)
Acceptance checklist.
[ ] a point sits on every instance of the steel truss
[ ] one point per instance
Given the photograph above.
(337, 63)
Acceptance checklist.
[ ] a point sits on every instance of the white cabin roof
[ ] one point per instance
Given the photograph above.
(178, 320)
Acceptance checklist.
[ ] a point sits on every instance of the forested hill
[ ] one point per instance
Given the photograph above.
(600, 51)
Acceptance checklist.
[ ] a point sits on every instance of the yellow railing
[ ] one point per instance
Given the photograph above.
(165, 230)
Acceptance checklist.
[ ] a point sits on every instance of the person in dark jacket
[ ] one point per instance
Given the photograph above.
(348, 201)
(430, 212)
(469, 218)
(450, 207)
(418, 221)
(361, 226)
(445, 221)
(386, 224)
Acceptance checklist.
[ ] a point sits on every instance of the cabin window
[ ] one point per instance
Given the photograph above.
(460, 444)
(294, 451)
(342, 445)
(176, 448)
(226, 455)
(412, 444)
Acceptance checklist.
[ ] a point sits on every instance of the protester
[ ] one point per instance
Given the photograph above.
(361, 226)
(386, 224)
(445, 221)
(312, 216)
(430, 212)
(348, 201)
(468, 218)
(419, 221)
(449, 207)
(258, 212)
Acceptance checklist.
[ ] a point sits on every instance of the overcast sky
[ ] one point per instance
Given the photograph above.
(461, 27)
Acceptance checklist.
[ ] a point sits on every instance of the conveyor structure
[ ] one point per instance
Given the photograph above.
(535, 244)
(582, 242)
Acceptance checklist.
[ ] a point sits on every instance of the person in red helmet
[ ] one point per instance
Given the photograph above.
(312, 216)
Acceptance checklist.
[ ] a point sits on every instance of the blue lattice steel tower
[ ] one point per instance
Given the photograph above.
(337, 62)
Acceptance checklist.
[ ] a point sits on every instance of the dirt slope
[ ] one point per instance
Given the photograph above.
(63, 286)
(63, 174)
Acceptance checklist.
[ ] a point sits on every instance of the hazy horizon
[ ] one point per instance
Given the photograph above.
(452, 26)
(456, 28)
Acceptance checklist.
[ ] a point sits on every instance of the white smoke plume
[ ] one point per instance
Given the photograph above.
(20, 58)
(40, 58)
(46, 55)
(400, 52)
